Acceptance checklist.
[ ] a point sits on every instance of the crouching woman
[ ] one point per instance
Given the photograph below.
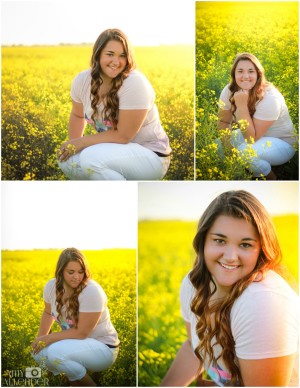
(88, 340)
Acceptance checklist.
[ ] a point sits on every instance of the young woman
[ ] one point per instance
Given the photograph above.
(88, 340)
(119, 102)
(250, 97)
(241, 315)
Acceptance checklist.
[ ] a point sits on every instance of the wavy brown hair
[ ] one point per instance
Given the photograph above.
(71, 302)
(243, 205)
(256, 93)
(111, 104)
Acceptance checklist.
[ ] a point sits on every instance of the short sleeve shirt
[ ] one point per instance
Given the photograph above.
(264, 323)
(136, 92)
(271, 108)
(91, 299)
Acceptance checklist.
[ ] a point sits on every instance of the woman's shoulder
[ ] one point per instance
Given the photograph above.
(135, 77)
(187, 289)
(271, 93)
(50, 290)
(224, 97)
(93, 288)
(51, 283)
(272, 289)
(83, 76)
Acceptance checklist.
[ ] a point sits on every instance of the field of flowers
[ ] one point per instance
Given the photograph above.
(162, 264)
(36, 104)
(24, 274)
(269, 30)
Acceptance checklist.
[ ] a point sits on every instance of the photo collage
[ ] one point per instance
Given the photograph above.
(149, 193)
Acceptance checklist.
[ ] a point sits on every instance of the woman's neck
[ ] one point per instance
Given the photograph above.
(220, 292)
(68, 291)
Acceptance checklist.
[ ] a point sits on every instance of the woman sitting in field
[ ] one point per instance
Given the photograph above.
(119, 102)
(88, 340)
(250, 97)
(241, 315)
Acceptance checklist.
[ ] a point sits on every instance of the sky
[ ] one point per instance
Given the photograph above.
(188, 200)
(104, 215)
(146, 23)
(57, 215)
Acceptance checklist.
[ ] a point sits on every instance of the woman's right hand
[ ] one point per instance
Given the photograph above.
(38, 344)
(241, 98)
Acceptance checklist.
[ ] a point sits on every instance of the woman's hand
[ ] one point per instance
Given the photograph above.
(69, 148)
(39, 343)
(241, 98)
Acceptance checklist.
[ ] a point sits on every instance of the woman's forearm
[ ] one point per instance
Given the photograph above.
(73, 146)
(184, 368)
(72, 333)
(47, 339)
(110, 136)
(224, 125)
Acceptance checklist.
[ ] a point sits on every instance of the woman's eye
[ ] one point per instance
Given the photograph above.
(219, 241)
(246, 245)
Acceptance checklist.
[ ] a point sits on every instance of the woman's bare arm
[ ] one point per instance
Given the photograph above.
(185, 366)
(86, 323)
(76, 122)
(225, 119)
(269, 372)
(129, 123)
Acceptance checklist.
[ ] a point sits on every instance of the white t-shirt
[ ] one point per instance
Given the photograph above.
(91, 299)
(264, 324)
(136, 92)
(271, 108)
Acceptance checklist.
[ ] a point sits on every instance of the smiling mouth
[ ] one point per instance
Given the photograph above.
(229, 267)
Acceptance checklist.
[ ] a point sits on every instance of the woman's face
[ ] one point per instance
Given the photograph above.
(245, 74)
(73, 274)
(113, 59)
(231, 250)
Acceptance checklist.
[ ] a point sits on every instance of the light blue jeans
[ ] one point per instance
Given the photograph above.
(270, 151)
(112, 161)
(74, 357)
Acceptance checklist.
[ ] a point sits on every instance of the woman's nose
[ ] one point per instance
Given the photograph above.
(230, 254)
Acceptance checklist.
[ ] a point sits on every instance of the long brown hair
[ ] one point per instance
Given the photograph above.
(256, 93)
(71, 303)
(239, 204)
(111, 107)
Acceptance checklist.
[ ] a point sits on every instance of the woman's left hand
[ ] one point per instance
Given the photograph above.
(39, 343)
(69, 148)
(241, 97)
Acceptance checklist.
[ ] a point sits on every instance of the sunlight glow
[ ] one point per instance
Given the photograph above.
(75, 22)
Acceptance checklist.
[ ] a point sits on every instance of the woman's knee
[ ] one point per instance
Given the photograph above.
(54, 355)
(260, 167)
(275, 151)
